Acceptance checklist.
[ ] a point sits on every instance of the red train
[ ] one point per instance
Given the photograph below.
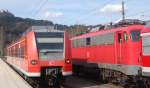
(41, 53)
(118, 55)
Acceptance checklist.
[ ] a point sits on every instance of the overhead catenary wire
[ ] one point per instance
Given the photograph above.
(138, 13)
(141, 13)
(93, 11)
(32, 11)
(128, 1)
(36, 13)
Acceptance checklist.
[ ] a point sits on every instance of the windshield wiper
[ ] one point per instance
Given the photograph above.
(46, 52)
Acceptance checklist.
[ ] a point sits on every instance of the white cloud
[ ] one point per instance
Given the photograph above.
(110, 8)
(52, 14)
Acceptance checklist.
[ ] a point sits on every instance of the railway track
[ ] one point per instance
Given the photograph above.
(81, 82)
(77, 82)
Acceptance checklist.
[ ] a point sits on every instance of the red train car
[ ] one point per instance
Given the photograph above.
(145, 35)
(114, 54)
(41, 53)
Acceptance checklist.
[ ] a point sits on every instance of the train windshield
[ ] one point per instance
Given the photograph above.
(50, 45)
(135, 35)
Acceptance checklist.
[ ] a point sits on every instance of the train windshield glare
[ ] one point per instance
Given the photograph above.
(135, 35)
(50, 45)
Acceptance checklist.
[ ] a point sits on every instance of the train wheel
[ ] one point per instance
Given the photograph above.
(146, 83)
(103, 76)
(140, 84)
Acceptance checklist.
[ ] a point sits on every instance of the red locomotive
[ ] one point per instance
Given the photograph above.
(116, 55)
(41, 53)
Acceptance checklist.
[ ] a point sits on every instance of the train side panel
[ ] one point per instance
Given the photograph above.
(18, 59)
(101, 54)
(67, 69)
(32, 54)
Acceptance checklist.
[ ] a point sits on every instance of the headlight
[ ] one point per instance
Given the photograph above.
(33, 62)
(68, 61)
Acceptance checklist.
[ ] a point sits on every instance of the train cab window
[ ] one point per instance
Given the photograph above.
(119, 38)
(125, 36)
(135, 35)
(88, 41)
(50, 45)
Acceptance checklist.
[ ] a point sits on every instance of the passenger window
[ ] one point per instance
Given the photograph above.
(119, 37)
(88, 41)
(125, 36)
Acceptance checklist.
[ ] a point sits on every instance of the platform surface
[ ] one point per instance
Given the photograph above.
(9, 78)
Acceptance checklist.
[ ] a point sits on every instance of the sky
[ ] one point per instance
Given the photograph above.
(70, 12)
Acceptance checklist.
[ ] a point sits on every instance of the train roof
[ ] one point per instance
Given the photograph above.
(42, 29)
(37, 29)
(127, 28)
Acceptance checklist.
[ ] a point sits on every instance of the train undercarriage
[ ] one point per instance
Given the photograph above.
(111, 76)
(50, 77)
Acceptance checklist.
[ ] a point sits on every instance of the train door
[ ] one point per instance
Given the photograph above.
(118, 47)
(121, 47)
(124, 47)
